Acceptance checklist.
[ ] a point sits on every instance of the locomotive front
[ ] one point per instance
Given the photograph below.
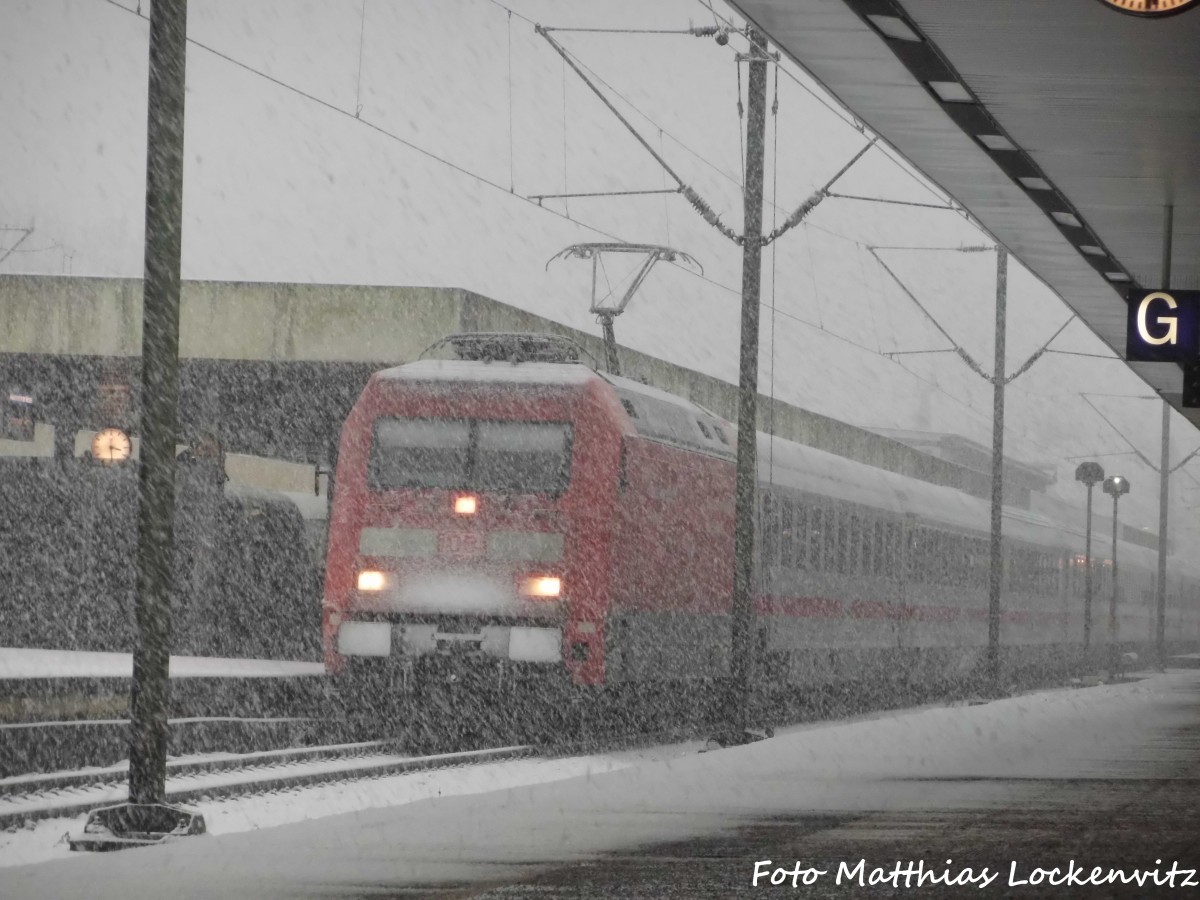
(468, 533)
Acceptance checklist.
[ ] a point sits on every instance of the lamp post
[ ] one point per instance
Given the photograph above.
(1115, 485)
(1091, 474)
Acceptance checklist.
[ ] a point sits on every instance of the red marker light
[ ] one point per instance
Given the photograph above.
(466, 504)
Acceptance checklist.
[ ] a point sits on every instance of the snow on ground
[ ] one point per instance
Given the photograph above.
(504, 821)
(22, 662)
(44, 840)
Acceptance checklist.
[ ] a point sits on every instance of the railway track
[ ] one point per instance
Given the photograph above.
(31, 797)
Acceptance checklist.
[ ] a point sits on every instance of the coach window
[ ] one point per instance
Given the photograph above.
(813, 537)
(787, 537)
(818, 543)
(877, 548)
(870, 550)
(770, 531)
(799, 539)
(954, 559)
(854, 544)
(805, 522)
(868, 547)
(885, 549)
(915, 555)
(849, 542)
(838, 539)
(1020, 574)
(925, 560)
(827, 547)
(896, 553)
(1049, 574)
(1016, 569)
(962, 560)
(939, 556)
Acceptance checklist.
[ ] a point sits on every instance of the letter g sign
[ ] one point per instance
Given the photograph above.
(1162, 326)
(1172, 322)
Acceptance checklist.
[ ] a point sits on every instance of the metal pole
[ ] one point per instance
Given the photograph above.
(741, 663)
(610, 345)
(160, 391)
(1164, 473)
(1168, 240)
(1160, 587)
(996, 572)
(1112, 602)
(1087, 577)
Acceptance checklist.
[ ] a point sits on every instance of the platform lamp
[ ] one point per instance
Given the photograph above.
(1115, 485)
(1091, 474)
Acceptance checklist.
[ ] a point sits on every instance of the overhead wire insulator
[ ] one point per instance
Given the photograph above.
(798, 216)
(706, 212)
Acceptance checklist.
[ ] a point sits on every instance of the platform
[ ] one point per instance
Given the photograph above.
(30, 663)
(62, 709)
(1103, 776)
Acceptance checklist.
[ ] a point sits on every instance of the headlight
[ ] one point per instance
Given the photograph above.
(542, 587)
(371, 580)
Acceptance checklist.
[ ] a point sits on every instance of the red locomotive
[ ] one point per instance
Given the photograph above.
(516, 511)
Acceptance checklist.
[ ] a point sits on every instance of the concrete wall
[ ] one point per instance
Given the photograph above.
(225, 320)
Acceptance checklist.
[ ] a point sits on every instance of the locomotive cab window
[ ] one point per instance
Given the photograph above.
(522, 457)
(429, 453)
(470, 454)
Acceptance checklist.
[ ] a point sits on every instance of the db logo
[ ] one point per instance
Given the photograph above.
(1162, 326)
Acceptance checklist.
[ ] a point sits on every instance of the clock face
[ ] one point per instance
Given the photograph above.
(1151, 7)
(111, 445)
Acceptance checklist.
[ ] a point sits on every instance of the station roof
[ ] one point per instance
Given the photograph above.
(1069, 107)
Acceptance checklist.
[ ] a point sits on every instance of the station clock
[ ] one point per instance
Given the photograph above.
(1151, 7)
(111, 445)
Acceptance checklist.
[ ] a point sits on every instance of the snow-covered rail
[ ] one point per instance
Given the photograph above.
(30, 797)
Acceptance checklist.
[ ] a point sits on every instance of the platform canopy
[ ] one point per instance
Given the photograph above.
(1065, 126)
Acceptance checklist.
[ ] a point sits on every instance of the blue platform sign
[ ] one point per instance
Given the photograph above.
(1163, 326)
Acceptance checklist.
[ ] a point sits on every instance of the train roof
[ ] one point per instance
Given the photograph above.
(660, 415)
(499, 372)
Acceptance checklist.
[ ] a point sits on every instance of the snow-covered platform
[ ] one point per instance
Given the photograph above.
(29, 663)
(1101, 776)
